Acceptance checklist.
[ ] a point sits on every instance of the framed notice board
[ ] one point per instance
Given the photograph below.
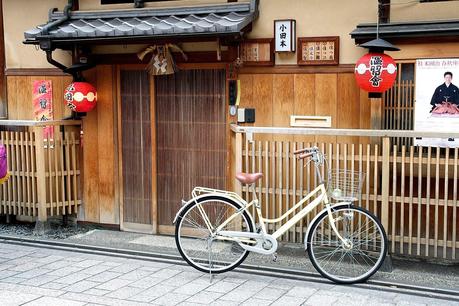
(318, 50)
(257, 52)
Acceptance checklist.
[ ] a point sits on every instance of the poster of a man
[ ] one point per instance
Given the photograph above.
(445, 99)
(436, 106)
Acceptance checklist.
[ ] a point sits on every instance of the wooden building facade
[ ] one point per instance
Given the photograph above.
(152, 138)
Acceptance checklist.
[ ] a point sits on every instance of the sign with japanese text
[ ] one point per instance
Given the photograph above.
(436, 107)
(258, 52)
(284, 35)
(375, 72)
(318, 50)
(43, 105)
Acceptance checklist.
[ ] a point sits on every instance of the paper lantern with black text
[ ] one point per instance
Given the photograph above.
(80, 97)
(375, 72)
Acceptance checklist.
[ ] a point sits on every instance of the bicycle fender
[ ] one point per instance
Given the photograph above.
(317, 216)
(191, 201)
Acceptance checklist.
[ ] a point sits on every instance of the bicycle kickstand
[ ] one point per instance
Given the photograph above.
(209, 247)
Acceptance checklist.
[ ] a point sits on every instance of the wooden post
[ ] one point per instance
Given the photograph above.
(385, 169)
(238, 162)
(41, 174)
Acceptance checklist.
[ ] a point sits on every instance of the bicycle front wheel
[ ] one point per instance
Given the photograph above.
(198, 244)
(354, 260)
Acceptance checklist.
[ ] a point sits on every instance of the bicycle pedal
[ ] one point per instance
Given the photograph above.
(275, 257)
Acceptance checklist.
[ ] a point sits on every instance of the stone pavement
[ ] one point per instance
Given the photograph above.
(42, 276)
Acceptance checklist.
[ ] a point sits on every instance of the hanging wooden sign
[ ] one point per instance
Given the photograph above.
(257, 52)
(318, 50)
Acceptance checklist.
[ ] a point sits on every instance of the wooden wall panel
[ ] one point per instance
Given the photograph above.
(108, 213)
(91, 159)
(12, 94)
(263, 101)
(326, 100)
(304, 104)
(348, 105)
(283, 99)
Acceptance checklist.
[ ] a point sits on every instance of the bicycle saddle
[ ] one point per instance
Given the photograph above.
(248, 178)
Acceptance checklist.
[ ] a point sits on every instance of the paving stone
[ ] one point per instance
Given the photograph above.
(19, 288)
(64, 271)
(97, 292)
(192, 288)
(114, 284)
(81, 286)
(125, 268)
(269, 293)
(146, 282)
(321, 299)
(50, 259)
(53, 285)
(60, 264)
(87, 263)
(33, 273)
(170, 299)
(204, 297)
(103, 300)
(72, 278)
(135, 275)
(124, 293)
(239, 294)
(6, 266)
(12, 298)
(165, 273)
(222, 286)
(104, 277)
(49, 301)
(8, 273)
(290, 301)
(152, 293)
(39, 280)
(183, 278)
(256, 302)
(255, 285)
(301, 292)
(25, 266)
(13, 280)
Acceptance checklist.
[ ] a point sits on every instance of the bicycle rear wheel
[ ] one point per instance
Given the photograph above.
(197, 244)
(356, 261)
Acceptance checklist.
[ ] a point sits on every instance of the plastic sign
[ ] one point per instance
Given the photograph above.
(375, 72)
(284, 35)
(80, 97)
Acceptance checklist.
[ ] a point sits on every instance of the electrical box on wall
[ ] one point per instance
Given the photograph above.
(246, 115)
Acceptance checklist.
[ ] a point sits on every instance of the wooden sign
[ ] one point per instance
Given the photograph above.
(285, 35)
(318, 50)
(258, 52)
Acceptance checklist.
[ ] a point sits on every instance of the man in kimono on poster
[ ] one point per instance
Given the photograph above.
(446, 92)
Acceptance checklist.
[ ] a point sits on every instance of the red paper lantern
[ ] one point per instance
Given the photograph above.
(375, 72)
(80, 97)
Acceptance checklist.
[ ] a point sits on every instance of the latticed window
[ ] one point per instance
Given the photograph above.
(398, 109)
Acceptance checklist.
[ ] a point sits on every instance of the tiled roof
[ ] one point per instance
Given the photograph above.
(421, 29)
(217, 19)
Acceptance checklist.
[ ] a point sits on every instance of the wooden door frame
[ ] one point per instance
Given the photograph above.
(129, 226)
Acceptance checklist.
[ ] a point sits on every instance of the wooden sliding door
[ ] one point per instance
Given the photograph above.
(191, 137)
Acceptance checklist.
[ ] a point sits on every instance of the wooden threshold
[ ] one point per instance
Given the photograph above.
(138, 228)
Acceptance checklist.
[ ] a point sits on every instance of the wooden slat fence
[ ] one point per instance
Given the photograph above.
(413, 190)
(44, 174)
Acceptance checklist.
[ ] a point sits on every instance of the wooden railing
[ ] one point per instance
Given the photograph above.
(413, 190)
(44, 173)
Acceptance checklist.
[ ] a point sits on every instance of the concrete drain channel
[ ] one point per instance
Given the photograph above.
(444, 294)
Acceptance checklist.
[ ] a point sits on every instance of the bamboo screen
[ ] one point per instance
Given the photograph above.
(136, 146)
(191, 141)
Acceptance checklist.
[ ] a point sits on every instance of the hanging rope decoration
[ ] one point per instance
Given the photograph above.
(162, 61)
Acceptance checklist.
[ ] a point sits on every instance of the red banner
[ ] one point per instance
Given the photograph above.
(43, 105)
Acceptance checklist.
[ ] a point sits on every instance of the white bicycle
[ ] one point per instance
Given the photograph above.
(215, 231)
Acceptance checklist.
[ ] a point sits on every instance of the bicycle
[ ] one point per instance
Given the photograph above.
(215, 231)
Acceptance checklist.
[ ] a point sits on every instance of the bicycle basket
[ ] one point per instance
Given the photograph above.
(345, 185)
